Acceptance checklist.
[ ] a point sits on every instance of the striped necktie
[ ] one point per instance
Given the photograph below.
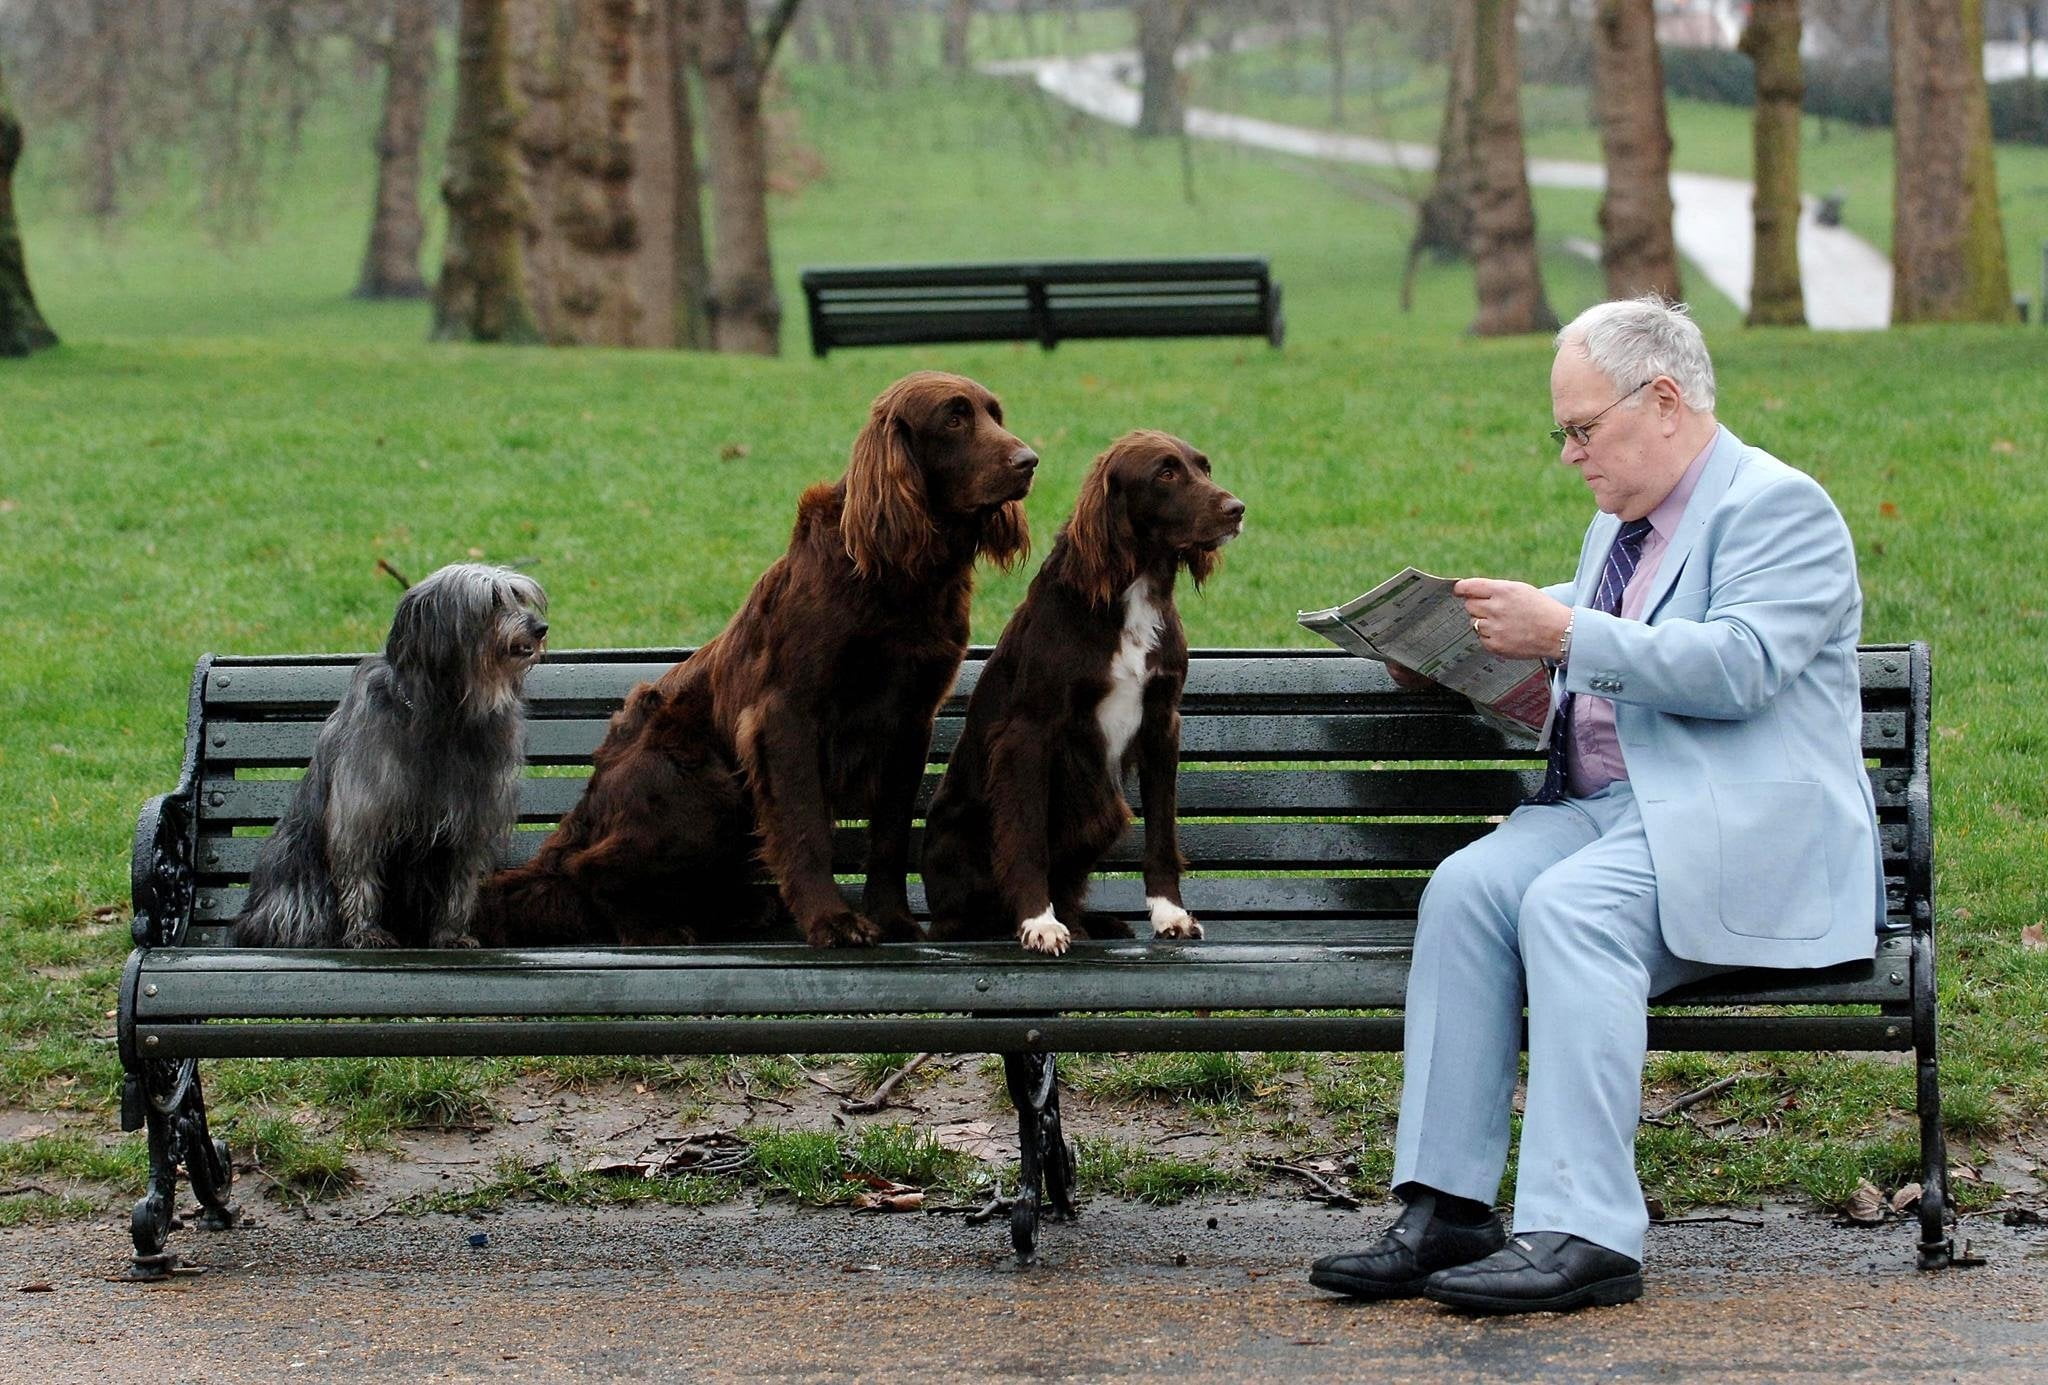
(1621, 565)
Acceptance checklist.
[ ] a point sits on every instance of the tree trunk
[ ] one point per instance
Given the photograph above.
(692, 272)
(1337, 23)
(1162, 24)
(107, 139)
(953, 38)
(482, 293)
(840, 29)
(1507, 276)
(878, 36)
(1443, 222)
(22, 328)
(1948, 246)
(1636, 248)
(589, 298)
(1771, 39)
(391, 264)
(746, 314)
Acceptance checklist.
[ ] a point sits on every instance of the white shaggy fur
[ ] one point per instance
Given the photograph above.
(1123, 707)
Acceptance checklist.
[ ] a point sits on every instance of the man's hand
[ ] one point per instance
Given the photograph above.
(1514, 619)
(1405, 677)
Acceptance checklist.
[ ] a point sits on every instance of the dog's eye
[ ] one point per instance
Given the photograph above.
(1167, 471)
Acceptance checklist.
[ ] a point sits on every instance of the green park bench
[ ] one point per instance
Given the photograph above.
(1315, 798)
(1047, 301)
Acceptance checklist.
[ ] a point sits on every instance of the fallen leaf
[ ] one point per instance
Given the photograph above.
(475, 552)
(8, 507)
(2004, 445)
(977, 1140)
(733, 451)
(1866, 1206)
(40, 1286)
(1888, 510)
(616, 1168)
(2031, 939)
(1905, 1199)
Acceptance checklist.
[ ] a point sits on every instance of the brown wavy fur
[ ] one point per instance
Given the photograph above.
(814, 704)
(1031, 798)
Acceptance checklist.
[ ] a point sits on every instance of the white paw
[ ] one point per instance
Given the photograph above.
(1169, 920)
(1044, 934)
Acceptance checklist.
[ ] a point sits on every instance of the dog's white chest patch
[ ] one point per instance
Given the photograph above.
(1123, 707)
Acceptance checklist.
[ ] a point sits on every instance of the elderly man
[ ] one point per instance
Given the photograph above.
(1705, 807)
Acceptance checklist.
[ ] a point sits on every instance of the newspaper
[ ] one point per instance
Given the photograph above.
(1412, 619)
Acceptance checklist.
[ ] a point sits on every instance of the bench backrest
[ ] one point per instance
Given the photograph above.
(1043, 301)
(1315, 796)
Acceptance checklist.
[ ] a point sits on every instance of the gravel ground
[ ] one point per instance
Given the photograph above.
(1212, 1291)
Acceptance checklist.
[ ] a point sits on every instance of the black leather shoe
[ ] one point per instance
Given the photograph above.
(1540, 1272)
(1418, 1243)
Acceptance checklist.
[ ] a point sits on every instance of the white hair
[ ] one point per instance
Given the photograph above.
(1632, 340)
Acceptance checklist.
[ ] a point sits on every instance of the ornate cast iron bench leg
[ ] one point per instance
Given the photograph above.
(164, 1096)
(1937, 1246)
(1045, 1163)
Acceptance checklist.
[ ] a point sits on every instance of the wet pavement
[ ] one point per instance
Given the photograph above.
(1201, 1291)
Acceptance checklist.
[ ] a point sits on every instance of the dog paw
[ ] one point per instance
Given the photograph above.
(843, 929)
(1044, 934)
(1169, 920)
(368, 937)
(456, 940)
(896, 926)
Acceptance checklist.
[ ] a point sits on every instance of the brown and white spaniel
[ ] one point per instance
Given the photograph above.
(1087, 676)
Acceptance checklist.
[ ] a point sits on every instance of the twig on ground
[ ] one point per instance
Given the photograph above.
(1322, 1190)
(818, 1081)
(18, 1189)
(738, 1078)
(880, 1100)
(305, 1203)
(1172, 1135)
(1693, 1098)
(1695, 1221)
(384, 566)
(1000, 1207)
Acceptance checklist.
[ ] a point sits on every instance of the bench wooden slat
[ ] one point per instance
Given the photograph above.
(955, 1034)
(229, 803)
(251, 983)
(312, 685)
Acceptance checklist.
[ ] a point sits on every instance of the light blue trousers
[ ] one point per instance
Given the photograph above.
(1556, 909)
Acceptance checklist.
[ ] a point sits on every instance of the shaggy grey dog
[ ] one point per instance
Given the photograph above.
(414, 780)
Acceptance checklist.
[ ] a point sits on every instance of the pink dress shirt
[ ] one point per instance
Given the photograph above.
(1593, 758)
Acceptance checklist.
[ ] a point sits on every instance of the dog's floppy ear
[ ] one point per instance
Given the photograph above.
(420, 642)
(885, 523)
(1099, 536)
(1005, 537)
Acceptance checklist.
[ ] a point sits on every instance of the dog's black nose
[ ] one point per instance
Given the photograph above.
(1024, 459)
(540, 627)
(1233, 508)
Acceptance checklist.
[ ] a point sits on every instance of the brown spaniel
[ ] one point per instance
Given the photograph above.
(1087, 676)
(814, 704)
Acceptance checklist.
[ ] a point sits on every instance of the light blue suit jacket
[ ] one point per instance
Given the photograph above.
(1738, 707)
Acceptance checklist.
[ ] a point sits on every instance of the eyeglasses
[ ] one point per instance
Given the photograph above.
(1582, 433)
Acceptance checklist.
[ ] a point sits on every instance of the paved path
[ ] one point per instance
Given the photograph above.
(1188, 1294)
(1847, 281)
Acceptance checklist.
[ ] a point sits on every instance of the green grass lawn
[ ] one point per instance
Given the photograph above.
(226, 445)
